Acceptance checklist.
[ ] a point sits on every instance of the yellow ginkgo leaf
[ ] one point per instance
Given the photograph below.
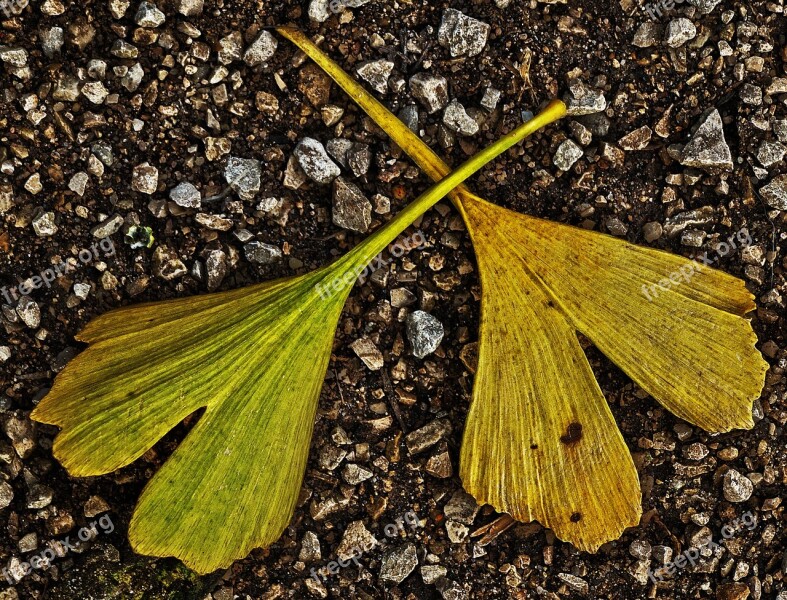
(540, 442)
(254, 359)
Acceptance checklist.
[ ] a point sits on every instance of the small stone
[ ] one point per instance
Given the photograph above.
(94, 506)
(122, 49)
(462, 508)
(230, 48)
(425, 333)
(704, 6)
(310, 548)
(260, 253)
(22, 435)
(5, 353)
(427, 436)
(261, 50)
(368, 352)
(216, 269)
(584, 100)
(462, 35)
(52, 40)
(359, 159)
(27, 543)
(16, 57)
(214, 222)
(456, 118)
(567, 154)
(707, 149)
(167, 264)
(320, 10)
(266, 103)
(6, 495)
(44, 224)
(355, 474)
(430, 90)
(95, 92)
(695, 451)
(376, 74)
(315, 84)
(575, 583)
(679, 31)
(646, 35)
(457, 532)
(244, 176)
(215, 148)
(294, 177)
(439, 466)
(640, 549)
(491, 98)
(737, 487)
(331, 114)
(351, 209)
(751, 94)
(133, 77)
(401, 297)
(652, 231)
(190, 8)
(148, 15)
(118, 8)
(775, 193)
(637, 139)
(107, 227)
(315, 162)
(355, 541)
(186, 195)
(78, 183)
(144, 179)
(770, 153)
(398, 563)
(732, 591)
(431, 573)
(82, 290)
(29, 312)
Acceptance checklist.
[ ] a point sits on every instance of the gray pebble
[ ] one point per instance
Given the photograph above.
(398, 563)
(315, 162)
(261, 253)
(462, 35)
(425, 333)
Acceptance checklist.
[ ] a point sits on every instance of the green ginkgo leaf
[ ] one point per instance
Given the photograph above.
(254, 359)
(540, 442)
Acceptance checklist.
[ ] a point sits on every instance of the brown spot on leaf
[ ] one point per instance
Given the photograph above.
(576, 517)
(573, 434)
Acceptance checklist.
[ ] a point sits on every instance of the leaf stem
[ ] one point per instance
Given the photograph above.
(379, 240)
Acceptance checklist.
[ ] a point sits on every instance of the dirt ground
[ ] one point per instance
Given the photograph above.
(179, 96)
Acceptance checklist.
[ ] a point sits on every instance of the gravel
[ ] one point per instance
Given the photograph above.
(425, 333)
(707, 149)
(681, 147)
(315, 162)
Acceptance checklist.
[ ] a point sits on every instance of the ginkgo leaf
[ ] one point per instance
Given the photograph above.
(538, 425)
(539, 442)
(254, 359)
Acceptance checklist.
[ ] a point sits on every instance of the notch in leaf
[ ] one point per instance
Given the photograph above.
(254, 359)
(540, 442)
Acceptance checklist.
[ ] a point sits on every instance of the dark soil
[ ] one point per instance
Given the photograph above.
(586, 39)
